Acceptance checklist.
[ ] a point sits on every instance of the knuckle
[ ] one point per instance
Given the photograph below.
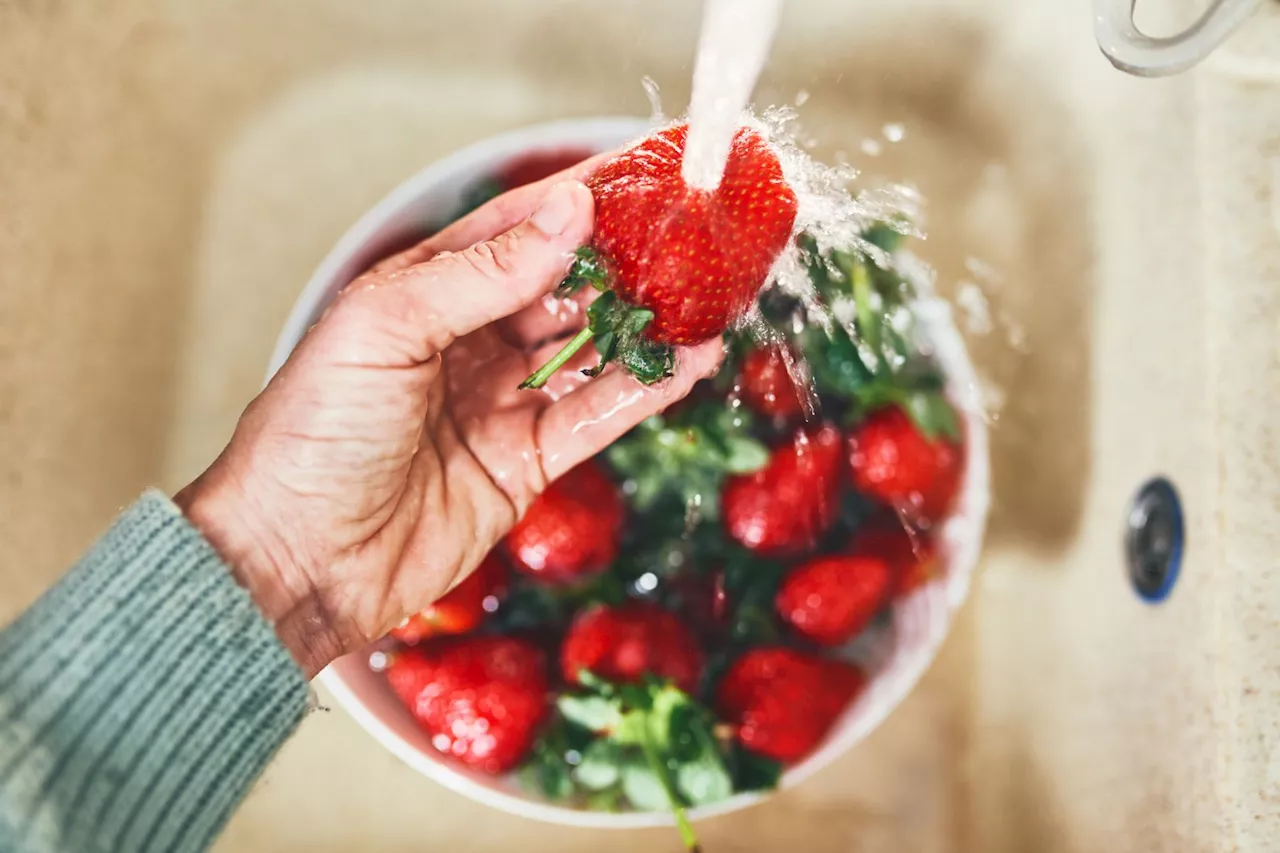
(493, 259)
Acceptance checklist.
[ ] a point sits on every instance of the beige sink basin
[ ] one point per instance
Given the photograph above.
(172, 171)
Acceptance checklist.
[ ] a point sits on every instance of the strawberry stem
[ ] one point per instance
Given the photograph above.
(542, 374)
(861, 281)
(659, 768)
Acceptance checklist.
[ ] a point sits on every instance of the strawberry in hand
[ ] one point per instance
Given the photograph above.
(462, 609)
(482, 699)
(678, 265)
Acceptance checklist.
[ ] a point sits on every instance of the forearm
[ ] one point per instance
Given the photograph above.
(140, 697)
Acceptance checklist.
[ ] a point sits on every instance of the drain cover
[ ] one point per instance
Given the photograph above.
(1154, 540)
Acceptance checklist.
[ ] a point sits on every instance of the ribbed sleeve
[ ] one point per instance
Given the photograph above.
(140, 697)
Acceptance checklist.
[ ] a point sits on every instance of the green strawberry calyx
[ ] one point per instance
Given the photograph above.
(687, 456)
(649, 744)
(616, 326)
(875, 363)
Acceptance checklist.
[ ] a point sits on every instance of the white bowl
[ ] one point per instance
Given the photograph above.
(895, 659)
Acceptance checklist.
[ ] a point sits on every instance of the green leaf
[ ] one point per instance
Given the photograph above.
(632, 730)
(636, 697)
(751, 584)
(647, 361)
(591, 681)
(700, 772)
(605, 801)
(592, 712)
(547, 771)
(633, 321)
(685, 742)
(641, 785)
(667, 700)
(588, 269)
(752, 772)
(877, 394)
(705, 779)
(932, 415)
(549, 779)
(600, 765)
(884, 236)
(618, 329)
(606, 345)
(744, 455)
(686, 458)
(838, 369)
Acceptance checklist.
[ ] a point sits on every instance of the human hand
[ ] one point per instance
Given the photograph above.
(393, 450)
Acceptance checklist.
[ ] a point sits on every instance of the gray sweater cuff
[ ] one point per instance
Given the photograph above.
(140, 697)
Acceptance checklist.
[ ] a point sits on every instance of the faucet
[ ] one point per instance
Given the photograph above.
(1129, 49)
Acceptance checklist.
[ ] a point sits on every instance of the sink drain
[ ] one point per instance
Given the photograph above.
(1154, 540)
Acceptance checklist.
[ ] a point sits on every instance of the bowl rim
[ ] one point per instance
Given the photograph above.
(610, 131)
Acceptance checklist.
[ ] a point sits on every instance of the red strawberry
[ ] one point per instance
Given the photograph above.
(829, 600)
(893, 461)
(788, 504)
(912, 555)
(626, 642)
(766, 384)
(462, 609)
(784, 702)
(695, 258)
(537, 165)
(481, 699)
(571, 529)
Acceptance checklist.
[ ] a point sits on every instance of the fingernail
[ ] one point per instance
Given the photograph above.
(556, 210)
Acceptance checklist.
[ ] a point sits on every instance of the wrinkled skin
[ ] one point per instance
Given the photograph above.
(393, 450)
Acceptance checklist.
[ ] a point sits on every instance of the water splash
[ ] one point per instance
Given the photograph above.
(830, 214)
(972, 302)
(654, 94)
(735, 40)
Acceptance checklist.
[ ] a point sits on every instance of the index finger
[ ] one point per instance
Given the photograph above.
(490, 219)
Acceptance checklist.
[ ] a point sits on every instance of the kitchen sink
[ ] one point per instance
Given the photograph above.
(172, 171)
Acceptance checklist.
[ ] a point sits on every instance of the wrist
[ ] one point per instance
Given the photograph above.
(224, 513)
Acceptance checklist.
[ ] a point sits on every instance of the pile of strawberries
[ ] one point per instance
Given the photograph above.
(665, 626)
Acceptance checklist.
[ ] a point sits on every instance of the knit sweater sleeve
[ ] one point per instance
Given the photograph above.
(140, 697)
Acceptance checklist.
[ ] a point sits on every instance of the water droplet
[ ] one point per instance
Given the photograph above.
(802, 97)
(972, 302)
(654, 94)
(894, 132)
(647, 582)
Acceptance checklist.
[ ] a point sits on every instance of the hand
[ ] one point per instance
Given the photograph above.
(393, 450)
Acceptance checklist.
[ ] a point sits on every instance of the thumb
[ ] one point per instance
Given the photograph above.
(456, 293)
